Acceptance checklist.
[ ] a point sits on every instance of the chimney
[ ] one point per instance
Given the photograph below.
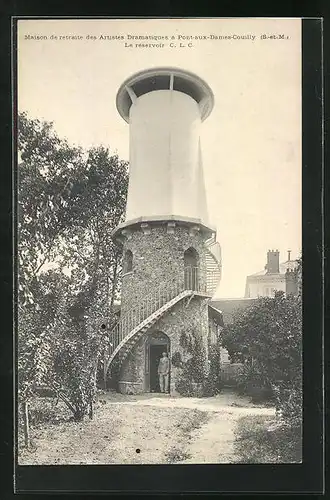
(273, 262)
(289, 255)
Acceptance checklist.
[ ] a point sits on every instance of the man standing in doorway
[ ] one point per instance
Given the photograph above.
(163, 372)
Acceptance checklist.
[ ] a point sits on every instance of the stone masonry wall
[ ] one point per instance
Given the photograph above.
(183, 316)
(158, 258)
(132, 373)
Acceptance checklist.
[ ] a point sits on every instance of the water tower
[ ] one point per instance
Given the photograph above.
(171, 261)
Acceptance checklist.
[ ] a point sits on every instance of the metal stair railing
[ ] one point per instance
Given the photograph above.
(147, 323)
(152, 303)
(213, 266)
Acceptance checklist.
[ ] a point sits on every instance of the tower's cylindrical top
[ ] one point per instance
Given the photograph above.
(165, 78)
(165, 108)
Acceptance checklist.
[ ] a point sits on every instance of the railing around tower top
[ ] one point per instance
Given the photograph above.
(153, 302)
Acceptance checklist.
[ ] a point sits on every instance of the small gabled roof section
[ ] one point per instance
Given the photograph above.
(227, 307)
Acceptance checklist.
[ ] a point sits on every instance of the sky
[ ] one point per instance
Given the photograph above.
(251, 142)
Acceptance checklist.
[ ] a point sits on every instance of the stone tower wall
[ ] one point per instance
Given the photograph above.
(158, 259)
(184, 316)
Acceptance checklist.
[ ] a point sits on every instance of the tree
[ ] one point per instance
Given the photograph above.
(45, 169)
(69, 201)
(268, 339)
(35, 339)
(76, 350)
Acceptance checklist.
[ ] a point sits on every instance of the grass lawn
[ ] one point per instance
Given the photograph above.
(157, 429)
(118, 434)
(256, 442)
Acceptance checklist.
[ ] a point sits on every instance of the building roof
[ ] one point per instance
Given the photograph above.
(227, 307)
(288, 264)
(216, 315)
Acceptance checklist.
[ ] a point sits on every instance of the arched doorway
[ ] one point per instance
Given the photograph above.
(156, 344)
(191, 275)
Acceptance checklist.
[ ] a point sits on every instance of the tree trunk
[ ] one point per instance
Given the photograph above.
(78, 415)
(113, 290)
(91, 410)
(105, 373)
(93, 390)
(104, 355)
(26, 424)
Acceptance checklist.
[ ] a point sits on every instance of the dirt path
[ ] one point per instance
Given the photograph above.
(146, 429)
(225, 402)
(213, 441)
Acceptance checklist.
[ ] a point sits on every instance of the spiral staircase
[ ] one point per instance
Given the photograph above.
(133, 324)
(213, 265)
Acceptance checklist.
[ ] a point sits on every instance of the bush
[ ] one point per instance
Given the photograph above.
(194, 370)
(45, 410)
(45, 392)
(185, 385)
(177, 360)
(258, 439)
(269, 334)
(250, 381)
(289, 402)
(74, 374)
(212, 384)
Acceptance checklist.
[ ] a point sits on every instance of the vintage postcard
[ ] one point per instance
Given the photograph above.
(159, 242)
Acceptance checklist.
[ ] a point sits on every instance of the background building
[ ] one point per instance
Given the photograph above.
(275, 276)
(285, 276)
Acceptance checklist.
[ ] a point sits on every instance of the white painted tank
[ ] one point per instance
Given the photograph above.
(165, 108)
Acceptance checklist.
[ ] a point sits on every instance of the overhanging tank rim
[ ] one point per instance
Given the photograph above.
(190, 77)
(163, 219)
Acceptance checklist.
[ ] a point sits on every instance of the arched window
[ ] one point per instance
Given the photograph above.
(128, 262)
(190, 258)
(191, 269)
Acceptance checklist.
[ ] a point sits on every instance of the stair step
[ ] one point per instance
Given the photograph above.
(136, 333)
